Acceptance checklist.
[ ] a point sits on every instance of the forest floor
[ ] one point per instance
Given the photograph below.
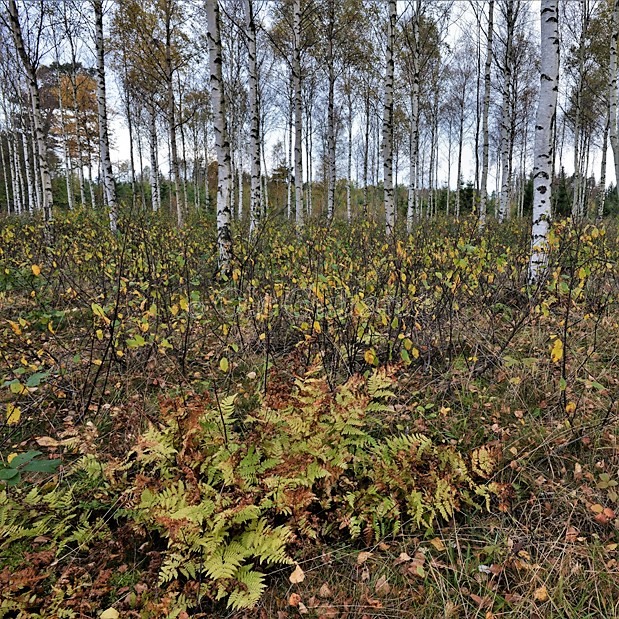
(348, 426)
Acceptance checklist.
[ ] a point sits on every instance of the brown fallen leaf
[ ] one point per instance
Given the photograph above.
(382, 586)
(303, 609)
(294, 599)
(297, 576)
(325, 591)
(362, 557)
(403, 558)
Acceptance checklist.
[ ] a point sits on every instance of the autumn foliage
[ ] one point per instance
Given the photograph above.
(350, 425)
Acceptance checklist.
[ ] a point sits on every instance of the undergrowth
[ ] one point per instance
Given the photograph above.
(410, 399)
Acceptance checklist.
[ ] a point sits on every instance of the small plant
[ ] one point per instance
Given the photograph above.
(28, 462)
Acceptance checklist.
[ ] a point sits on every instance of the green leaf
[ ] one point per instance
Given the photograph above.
(9, 473)
(42, 466)
(36, 378)
(24, 458)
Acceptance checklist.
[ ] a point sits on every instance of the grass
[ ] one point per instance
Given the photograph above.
(137, 331)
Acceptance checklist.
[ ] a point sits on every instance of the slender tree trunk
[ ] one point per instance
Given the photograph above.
(542, 170)
(310, 159)
(412, 209)
(298, 114)
(224, 236)
(154, 167)
(600, 213)
(349, 162)
(17, 199)
(29, 183)
(171, 113)
(33, 87)
(366, 153)
(485, 133)
(331, 113)
(506, 116)
(104, 142)
(254, 112)
(613, 71)
(65, 149)
(289, 178)
(140, 155)
(449, 147)
(460, 147)
(6, 173)
(129, 117)
(387, 146)
(239, 172)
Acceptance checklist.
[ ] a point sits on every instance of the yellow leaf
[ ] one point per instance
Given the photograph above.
(317, 328)
(13, 414)
(438, 544)
(224, 365)
(110, 613)
(36, 270)
(13, 455)
(297, 576)
(556, 354)
(370, 357)
(99, 334)
(184, 304)
(415, 353)
(570, 407)
(541, 594)
(15, 327)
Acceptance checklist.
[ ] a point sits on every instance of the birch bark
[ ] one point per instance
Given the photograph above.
(222, 146)
(542, 170)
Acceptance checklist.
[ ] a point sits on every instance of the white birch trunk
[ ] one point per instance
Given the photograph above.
(412, 209)
(35, 100)
(613, 72)
(387, 145)
(600, 213)
(154, 167)
(109, 186)
(29, 182)
(222, 146)
(289, 161)
(254, 132)
(298, 114)
(349, 162)
(542, 170)
(485, 133)
(6, 173)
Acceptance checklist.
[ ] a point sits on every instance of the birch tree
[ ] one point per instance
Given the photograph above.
(109, 186)
(387, 146)
(298, 113)
(542, 170)
(222, 146)
(30, 60)
(612, 86)
(484, 120)
(254, 146)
